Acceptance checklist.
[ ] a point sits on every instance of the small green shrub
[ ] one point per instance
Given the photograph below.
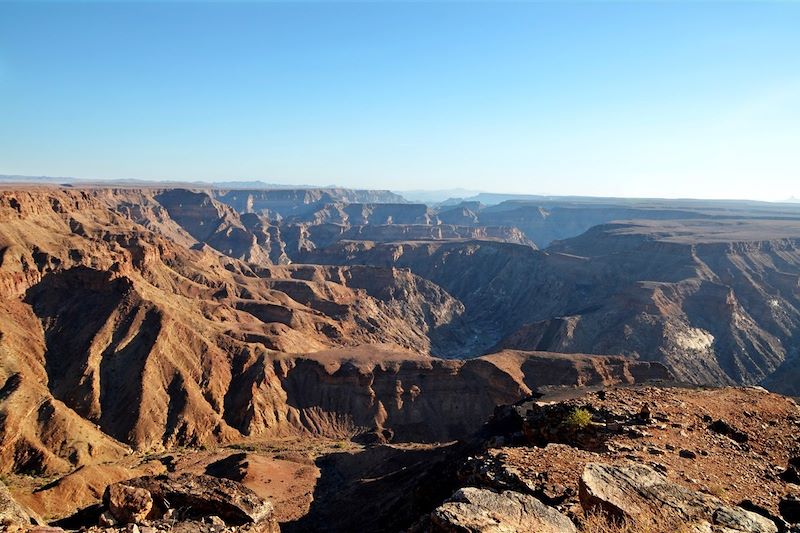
(578, 418)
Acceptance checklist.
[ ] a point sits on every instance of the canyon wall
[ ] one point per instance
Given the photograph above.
(121, 327)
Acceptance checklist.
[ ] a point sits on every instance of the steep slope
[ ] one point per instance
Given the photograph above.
(139, 335)
(215, 224)
(115, 335)
(717, 301)
(406, 397)
(724, 297)
(39, 433)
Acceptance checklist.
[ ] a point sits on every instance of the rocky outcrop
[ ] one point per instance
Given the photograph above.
(128, 504)
(428, 232)
(388, 487)
(179, 503)
(717, 303)
(278, 204)
(480, 510)
(14, 514)
(191, 496)
(637, 490)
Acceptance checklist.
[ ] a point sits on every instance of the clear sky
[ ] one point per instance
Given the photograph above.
(600, 98)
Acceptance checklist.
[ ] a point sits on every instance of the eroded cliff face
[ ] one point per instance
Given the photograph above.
(283, 203)
(722, 299)
(123, 327)
(251, 232)
(545, 223)
(717, 303)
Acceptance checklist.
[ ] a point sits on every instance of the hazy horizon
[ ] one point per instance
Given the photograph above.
(429, 195)
(635, 100)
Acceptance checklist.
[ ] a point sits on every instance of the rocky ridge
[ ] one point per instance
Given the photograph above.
(722, 310)
(654, 459)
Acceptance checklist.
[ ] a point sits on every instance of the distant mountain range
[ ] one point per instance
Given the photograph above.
(239, 184)
(434, 198)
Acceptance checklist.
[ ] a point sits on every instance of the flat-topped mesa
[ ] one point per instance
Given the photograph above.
(360, 214)
(423, 256)
(712, 236)
(546, 221)
(424, 232)
(281, 203)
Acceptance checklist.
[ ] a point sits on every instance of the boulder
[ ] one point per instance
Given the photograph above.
(483, 511)
(738, 519)
(128, 504)
(198, 496)
(749, 505)
(195, 526)
(724, 428)
(637, 492)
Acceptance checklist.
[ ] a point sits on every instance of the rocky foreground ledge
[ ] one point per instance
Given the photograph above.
(621, 460)
(656, 460)
(171, 502)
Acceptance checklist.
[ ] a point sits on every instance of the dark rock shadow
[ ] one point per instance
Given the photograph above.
(380, 489)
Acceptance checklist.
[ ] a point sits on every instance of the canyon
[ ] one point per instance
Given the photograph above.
(139, 323)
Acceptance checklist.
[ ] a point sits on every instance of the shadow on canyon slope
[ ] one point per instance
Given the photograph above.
(380, 489)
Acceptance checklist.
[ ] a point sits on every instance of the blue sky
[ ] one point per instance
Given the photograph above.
(601, 98)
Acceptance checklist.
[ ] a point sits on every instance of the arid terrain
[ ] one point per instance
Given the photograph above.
(214, 359)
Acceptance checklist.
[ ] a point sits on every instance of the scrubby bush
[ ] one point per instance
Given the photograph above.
(654, 522)
(578, 418)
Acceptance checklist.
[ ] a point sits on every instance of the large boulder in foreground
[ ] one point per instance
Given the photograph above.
(481, 510)
(128, 504)
(637, 492)
(189, 496)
